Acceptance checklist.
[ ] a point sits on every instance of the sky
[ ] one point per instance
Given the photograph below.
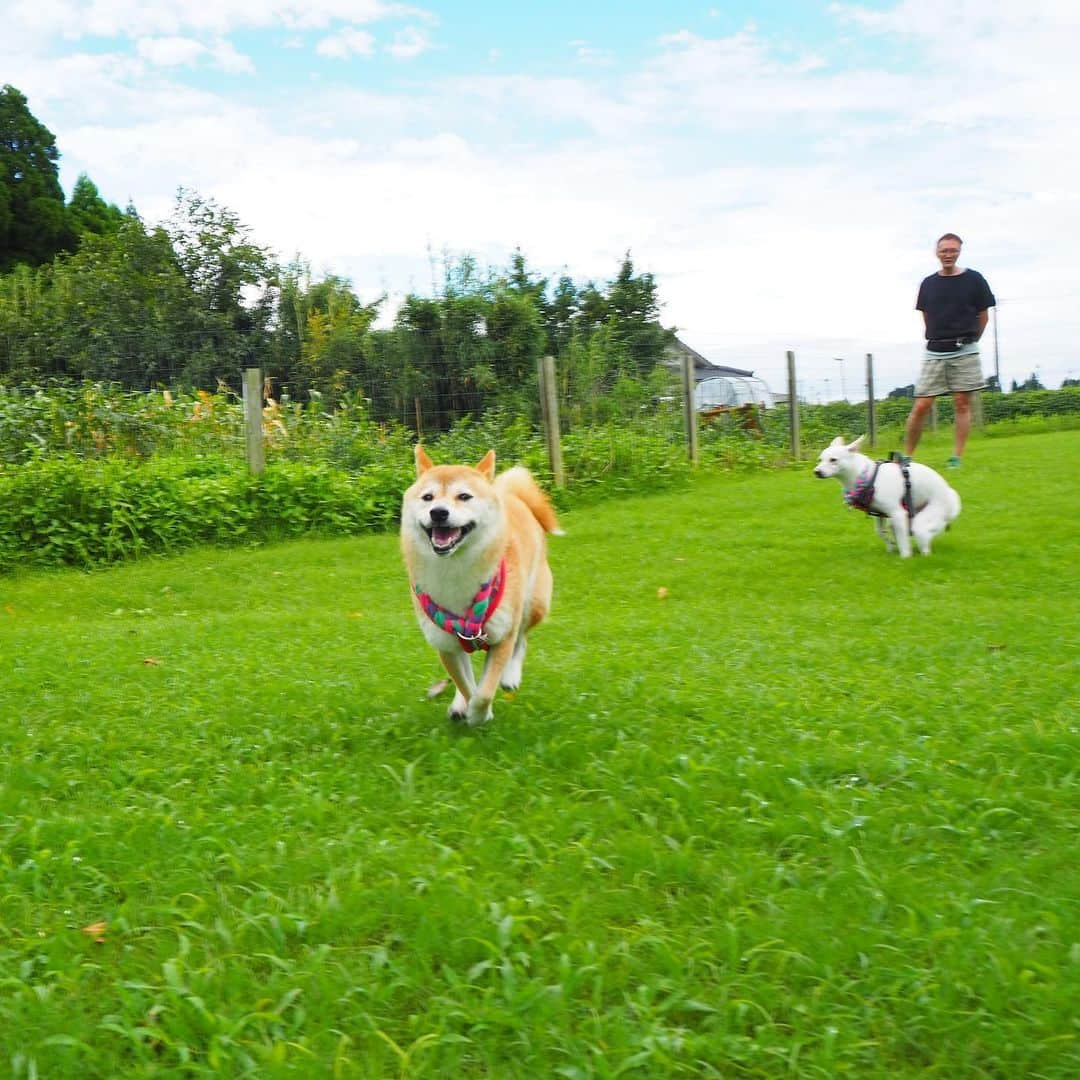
(783, 169)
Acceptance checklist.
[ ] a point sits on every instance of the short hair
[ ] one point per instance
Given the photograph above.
(950, 236)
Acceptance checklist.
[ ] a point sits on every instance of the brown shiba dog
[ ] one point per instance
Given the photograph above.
(476, 553)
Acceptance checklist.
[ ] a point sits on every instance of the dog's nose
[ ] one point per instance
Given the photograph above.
(439, 515)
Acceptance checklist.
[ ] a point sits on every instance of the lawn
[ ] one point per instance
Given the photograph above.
(769, 803)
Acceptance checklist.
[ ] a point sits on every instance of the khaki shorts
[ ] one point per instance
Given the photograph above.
(950, 372)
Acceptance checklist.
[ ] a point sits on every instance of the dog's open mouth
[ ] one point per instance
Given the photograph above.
(444, 538)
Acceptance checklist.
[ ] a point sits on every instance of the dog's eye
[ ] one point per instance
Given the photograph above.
(464, 496)
(427, 496)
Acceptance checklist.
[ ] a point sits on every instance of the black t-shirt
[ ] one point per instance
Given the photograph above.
(952, 303)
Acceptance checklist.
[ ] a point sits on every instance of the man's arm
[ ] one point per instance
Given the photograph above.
(982, 318)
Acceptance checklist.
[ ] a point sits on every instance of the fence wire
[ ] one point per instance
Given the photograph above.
(612, 422)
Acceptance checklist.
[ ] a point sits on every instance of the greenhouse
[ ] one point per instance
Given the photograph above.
(716, 386)
(733, 389)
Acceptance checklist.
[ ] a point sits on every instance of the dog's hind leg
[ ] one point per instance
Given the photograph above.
(925, 527)
(511, 676)
(459, 668)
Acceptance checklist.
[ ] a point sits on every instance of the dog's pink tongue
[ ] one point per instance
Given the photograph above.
(444, 537)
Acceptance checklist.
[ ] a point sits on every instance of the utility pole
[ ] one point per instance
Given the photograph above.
(997, 367)
(843, 389)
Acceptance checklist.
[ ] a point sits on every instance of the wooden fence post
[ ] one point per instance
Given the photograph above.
(253, 417)
(690, 417)
(871, 405)
(549, 415)
(793, 407)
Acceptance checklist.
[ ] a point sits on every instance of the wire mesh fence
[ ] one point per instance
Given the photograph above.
(611, 422)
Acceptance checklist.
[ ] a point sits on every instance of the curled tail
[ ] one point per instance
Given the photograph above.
(519, 481)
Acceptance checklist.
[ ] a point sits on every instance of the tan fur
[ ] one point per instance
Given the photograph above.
(498, 518)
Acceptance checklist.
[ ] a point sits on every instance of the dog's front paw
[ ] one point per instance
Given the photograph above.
(478, 712)
(459, 707)
(510, 679)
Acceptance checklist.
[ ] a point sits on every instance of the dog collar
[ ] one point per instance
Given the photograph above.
(468, 628)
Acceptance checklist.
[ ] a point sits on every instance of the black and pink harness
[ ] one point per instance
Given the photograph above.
(860, 496)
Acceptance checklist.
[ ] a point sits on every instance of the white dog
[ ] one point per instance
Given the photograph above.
(880, 489)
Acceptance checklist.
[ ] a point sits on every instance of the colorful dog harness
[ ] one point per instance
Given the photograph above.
(468, 628)
(860, 496)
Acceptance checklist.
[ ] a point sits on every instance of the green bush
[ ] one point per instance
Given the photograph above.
(819, 424)
(90, 474)
(75, 512)
(612, 459)
(1031, 403)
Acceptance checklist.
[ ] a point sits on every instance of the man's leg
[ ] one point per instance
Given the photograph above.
(962, 405)
(915, 422)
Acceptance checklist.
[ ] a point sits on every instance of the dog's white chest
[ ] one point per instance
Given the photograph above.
(495, 629)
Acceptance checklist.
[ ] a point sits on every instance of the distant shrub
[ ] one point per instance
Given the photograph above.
(74, 512)
(90, 474)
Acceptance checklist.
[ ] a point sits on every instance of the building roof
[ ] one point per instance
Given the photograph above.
(703, 368)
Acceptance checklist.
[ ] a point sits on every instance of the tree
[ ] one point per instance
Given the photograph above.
(517, 306)
(560, 315)
(118, 310)
(33, 221)
(232, 277)
(635, 311)
(88, 212)
(1030, 383)
(333, 349)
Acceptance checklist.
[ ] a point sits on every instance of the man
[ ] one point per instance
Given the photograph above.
(954, 303)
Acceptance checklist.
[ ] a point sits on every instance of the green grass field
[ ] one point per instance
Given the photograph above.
(812, 814)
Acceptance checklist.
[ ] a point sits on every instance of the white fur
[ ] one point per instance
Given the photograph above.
(937, 504)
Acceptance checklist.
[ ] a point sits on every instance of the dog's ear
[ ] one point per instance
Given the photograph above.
(423, 462)
(856, 444)
(838, 441)
(486, 468)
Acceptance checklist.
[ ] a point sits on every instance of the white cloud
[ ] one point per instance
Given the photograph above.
(347, 43)
(409, 43)
(585, 53)
(170, 51)
(781, 200)
(142, 18)
(226, 58)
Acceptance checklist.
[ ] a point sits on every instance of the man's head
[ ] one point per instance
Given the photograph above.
(948, 251)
